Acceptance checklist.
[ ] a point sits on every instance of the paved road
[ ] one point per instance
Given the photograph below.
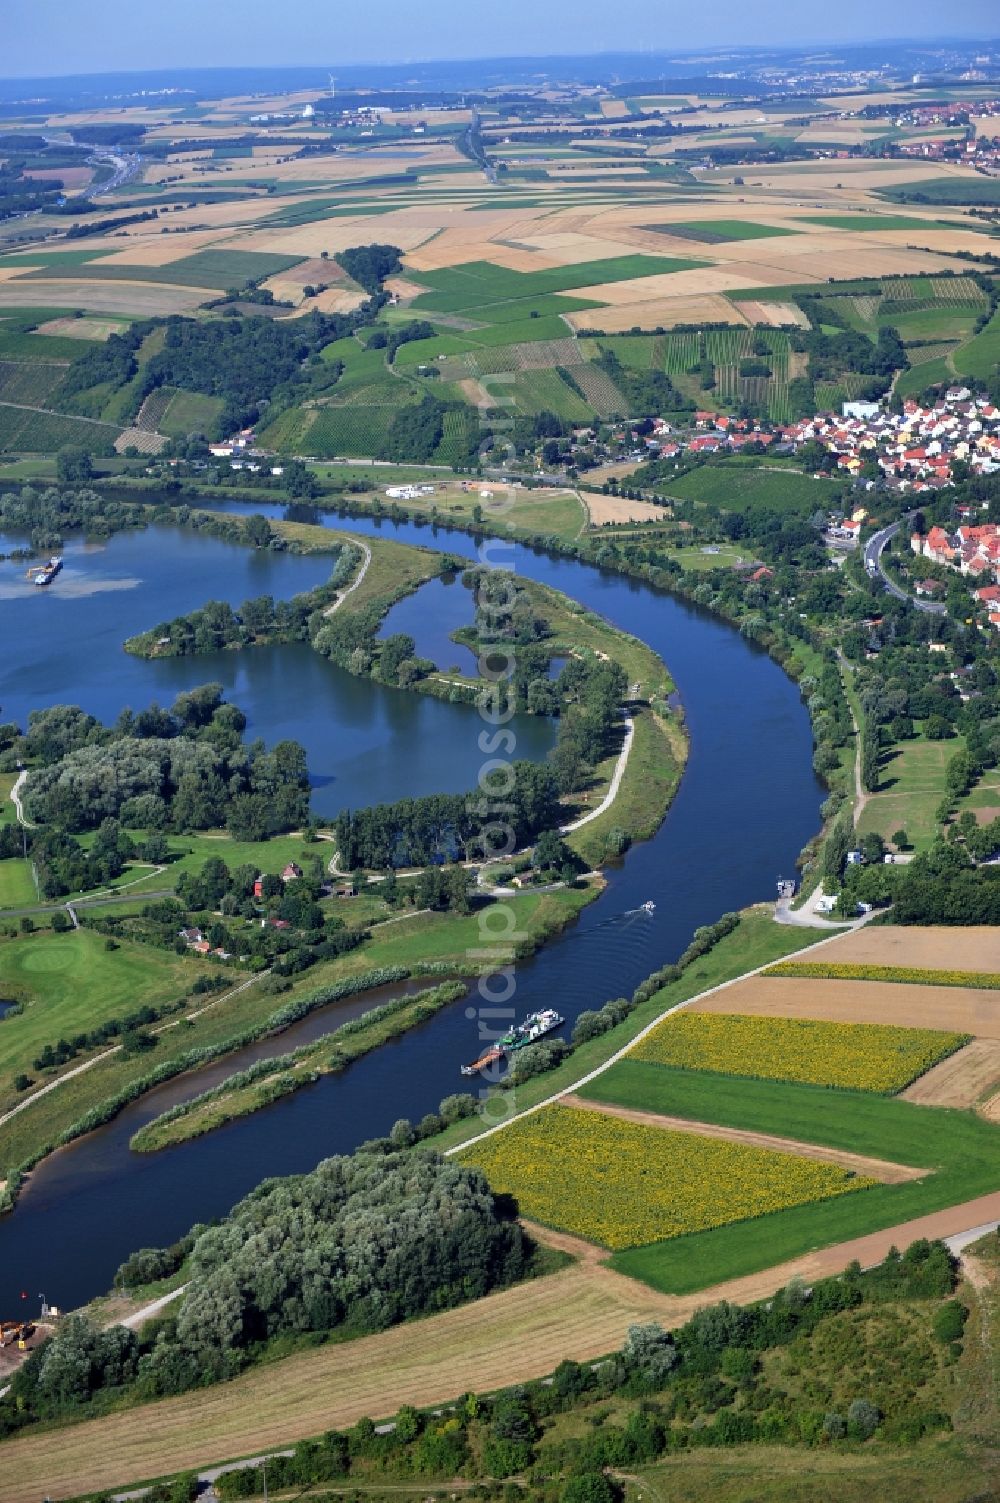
(874, 549)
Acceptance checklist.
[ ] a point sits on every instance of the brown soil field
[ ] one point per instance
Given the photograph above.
(961, 1079)
(604, 472)
(774, 314)
(956, 1008)
(708, 308)
(618, 509)
(880, 1169)
(162, 250)
(147, 298)
(82, 328)
(70, 177)
(582, 1312)
(974, 949)
(329, 235)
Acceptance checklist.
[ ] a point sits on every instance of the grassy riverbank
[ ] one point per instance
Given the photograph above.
(420, 940)
(271, 1080)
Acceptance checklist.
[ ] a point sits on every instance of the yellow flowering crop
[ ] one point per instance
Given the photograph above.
(865, 971)
(623, 1184)
(855, 1056)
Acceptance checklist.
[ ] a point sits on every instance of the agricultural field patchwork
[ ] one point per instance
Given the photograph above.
(623, 1184)
(853, 1056)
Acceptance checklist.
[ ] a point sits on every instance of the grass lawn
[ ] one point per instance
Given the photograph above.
(738, 489)
(70, 983)
(17, 887)
(546, 513)
(984, 798)
(699, 561)
(7, 813)
(912, 786)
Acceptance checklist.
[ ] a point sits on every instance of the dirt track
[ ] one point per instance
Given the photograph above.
(961, 1009)
(880, 1169)
(961, 1079)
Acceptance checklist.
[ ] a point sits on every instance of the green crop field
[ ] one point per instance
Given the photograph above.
(738, 489)
(961, 1151)
(207, 268)
(712, 230)
(479, 284)
(19, 343)
(43, 432)
(866, 222)
(945, 190)
(541, 391)
(980, 356)
(28, 381)
(70, 983)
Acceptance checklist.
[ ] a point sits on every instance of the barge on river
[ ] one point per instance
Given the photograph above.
(534, 1027)
(47, 573)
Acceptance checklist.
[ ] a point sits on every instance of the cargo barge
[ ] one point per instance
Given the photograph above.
(47, 573)
(534, 1027)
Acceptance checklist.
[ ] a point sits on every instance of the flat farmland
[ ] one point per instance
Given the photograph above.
(931, 947)
(957, 1009)
(28, 381)
(740, 489)
(963, 1080)
(862, 1056)
(655, 1183)
(145, 299)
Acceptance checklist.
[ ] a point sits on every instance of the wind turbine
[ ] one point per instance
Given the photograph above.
(333, 86)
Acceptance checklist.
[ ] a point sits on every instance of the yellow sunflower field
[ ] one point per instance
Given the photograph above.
(623, 1184)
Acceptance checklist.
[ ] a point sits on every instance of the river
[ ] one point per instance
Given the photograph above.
(746, 805)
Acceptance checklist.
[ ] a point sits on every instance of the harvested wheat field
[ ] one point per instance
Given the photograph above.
(151, 299)
(581, 1313)
(960, 1080)
(858, 1163)
(163, 250)
(933, 948)
(774, 314)
(617, 509)
(957, 1009)
(83, 328)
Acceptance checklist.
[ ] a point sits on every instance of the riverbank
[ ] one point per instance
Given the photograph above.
(271, 1080)
(422, 944)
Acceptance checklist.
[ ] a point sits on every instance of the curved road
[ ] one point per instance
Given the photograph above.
(874, 549)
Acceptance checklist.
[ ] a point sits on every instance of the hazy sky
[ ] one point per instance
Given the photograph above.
(41, 37)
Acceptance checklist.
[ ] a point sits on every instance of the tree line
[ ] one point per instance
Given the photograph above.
(357, 1245)
(185, 768)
